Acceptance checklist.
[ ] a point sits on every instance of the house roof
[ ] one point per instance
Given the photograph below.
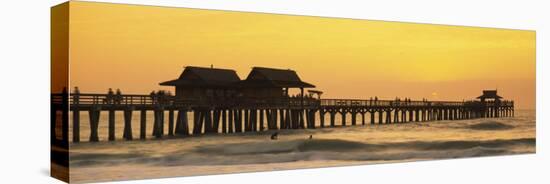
(489, 94)
(193, 76)
(271, 77)
(315, 91)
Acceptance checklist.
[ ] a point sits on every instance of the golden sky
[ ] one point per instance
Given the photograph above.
(136, 47)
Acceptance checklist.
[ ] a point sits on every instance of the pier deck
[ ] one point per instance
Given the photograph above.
(212, 115)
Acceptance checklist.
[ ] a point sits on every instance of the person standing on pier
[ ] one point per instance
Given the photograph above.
(398, 101)
(76, 95)
(153, 97)
(160, 97)
(168, 97)
(110, 95)
(118, 97)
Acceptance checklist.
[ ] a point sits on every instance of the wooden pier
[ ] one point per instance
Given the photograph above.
(220, 102)
(213, 116)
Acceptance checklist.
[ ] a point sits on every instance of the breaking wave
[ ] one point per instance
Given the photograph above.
(307, 150)
(335, 145)
(490, 125)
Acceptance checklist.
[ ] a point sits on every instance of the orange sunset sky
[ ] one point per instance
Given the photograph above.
(136, 47)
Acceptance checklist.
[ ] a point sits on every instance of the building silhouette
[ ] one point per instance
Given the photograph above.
(203, 83)
(271, 83)
(489, 95)
(215, 85)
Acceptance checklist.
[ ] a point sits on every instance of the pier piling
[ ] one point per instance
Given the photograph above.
(250, 117)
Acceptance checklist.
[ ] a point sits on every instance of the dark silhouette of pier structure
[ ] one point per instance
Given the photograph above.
(220, 102)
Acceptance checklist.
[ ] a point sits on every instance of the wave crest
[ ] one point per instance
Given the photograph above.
(490, 125)
(300, 150)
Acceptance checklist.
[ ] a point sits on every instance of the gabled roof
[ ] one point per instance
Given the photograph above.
(271, 77)
(193, 76)
(489, 94)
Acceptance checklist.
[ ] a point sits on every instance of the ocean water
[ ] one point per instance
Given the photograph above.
(255, 151)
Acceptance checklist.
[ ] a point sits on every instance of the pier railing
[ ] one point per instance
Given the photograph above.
(97, 99)
(57, 99)
(397, 103)
(89, 99)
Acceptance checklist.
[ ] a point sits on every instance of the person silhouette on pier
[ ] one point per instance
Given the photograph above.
(76, 90)
(76, 95)
(110, 95)
(161, 96)
(118, 97)
(153, 97)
